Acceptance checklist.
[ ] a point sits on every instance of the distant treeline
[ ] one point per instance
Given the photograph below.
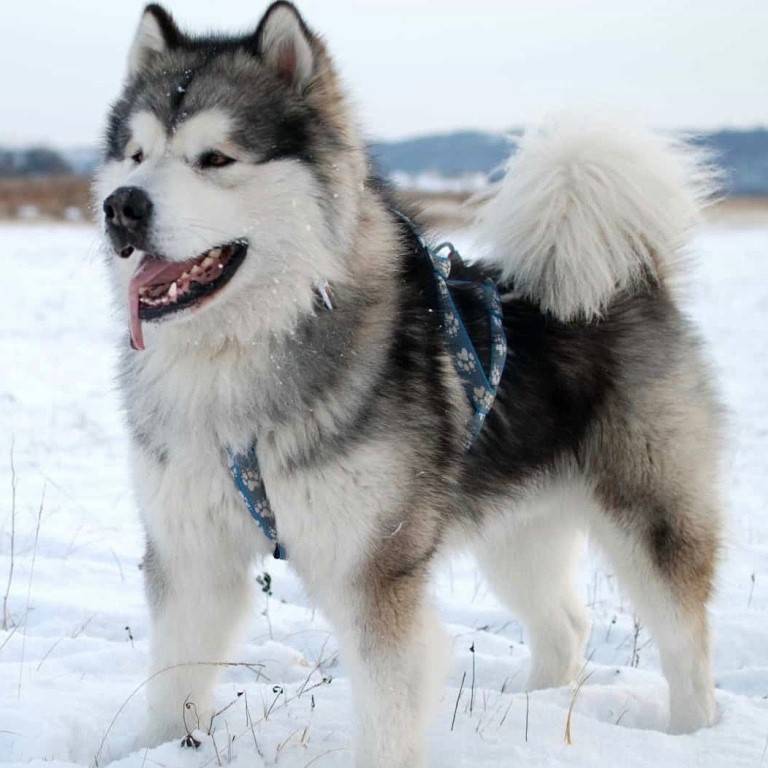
(34, 161)
(743, 155)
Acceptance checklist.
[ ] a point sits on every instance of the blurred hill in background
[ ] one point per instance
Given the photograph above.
(472, 156)
(40, 181)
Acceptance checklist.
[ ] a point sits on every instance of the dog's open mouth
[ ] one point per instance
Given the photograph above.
(161, 287)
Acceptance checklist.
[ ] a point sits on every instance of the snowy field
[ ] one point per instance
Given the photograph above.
(73, 659)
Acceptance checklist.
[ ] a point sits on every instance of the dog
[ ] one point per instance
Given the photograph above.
(278, 300)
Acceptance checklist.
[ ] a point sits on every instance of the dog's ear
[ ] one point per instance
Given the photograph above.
(157, 32)
(285, 43)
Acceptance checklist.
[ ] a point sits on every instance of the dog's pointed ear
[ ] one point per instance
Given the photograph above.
(285, 43)
(157, 32)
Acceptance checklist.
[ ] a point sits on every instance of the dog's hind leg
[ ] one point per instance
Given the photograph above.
(660, 526)
(666, 570)
(529, 557)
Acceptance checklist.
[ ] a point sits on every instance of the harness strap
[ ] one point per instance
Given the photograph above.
(250, 484)
(480, 388)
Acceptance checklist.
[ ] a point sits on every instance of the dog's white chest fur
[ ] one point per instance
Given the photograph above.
(188, 413)
(197, 416)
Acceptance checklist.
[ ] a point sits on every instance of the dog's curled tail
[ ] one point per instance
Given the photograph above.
(587, 211)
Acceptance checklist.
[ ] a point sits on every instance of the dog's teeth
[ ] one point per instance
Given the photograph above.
(196, 270)
(184, 276)
(215, 253)
(173, 291)
(207, 261)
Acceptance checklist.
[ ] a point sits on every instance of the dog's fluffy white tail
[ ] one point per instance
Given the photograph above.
(586, 211)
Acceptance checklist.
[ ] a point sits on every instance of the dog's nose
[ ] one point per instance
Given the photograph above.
(127, 212)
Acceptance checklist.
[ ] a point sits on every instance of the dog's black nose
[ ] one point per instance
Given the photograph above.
(127, 212)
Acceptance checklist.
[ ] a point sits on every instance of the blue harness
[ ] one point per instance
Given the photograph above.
(480, 388)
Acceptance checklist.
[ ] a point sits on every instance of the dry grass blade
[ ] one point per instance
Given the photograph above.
(635, 660)
(568, 719)
(48, 653)
(29, 590)
(325, 754)
(249, 723)
(527, 714)
(458, 699)
(6, 617)
(10, 635)
(284, 743)
(472, 687)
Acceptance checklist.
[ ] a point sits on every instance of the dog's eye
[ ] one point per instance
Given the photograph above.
(214, 159)
(137, 157)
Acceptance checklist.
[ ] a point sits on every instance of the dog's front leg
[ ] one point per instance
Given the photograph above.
(198, 596)
(395, 652)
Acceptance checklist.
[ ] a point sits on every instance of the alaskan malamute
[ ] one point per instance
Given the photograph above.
(279, 301)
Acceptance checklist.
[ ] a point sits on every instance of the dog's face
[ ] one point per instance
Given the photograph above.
(227, 167)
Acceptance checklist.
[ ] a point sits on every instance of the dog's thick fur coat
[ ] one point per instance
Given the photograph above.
(605, 423)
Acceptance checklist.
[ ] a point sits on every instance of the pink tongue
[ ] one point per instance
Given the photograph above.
(151, 271)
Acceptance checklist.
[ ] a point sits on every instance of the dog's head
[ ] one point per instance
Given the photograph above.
(229, 177)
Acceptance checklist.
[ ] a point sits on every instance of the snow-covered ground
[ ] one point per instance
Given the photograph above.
(74, 657)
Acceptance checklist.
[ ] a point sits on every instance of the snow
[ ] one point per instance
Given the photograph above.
(74, 659)
(432, 181)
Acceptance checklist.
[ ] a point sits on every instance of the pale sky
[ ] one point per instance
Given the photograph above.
(421, 66)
